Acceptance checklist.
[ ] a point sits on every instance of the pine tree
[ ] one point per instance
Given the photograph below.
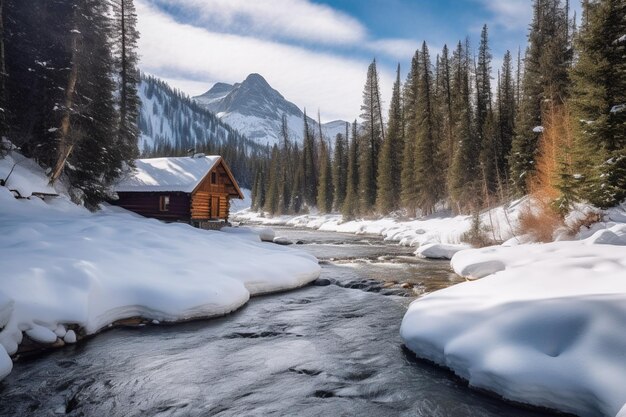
(95, 161)
(445, 109)
(125, 38)
(408, 185)
(389, 166)
(506, 105)
(309, 164)
(340, 170)
(325, 183)
(274, 185)
(428, 172)
(599, 101)
(485, 123)
(545, 81)
(255, 192)
(287, 169)
(465, 175)
(369, 147)
(350, 206)
(297, 191)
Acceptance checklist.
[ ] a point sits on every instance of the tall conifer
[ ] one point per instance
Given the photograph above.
(428, 172)
(408, 185)
(599, 101)
(369, 147)
(389, 166)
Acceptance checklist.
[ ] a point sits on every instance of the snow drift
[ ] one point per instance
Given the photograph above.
(545, 326)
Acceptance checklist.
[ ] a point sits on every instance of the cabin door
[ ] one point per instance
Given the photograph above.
(215, 207)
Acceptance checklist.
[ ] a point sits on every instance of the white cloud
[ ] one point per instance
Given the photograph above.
(185, 54)
(283, 19)
(510, 14)
(395, 48)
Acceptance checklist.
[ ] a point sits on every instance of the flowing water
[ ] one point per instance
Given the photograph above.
(328, 350)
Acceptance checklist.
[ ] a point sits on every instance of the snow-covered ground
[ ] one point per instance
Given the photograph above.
(63, 267)
(545, 324)
(441, 228)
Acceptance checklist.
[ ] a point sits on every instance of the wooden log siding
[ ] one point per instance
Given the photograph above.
(147, 204)
(210, 201)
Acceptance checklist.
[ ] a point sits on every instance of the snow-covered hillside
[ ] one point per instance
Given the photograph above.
(255, 109)
(171, 122)
(67, 272)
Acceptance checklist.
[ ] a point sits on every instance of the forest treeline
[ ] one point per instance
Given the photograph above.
(553, 124)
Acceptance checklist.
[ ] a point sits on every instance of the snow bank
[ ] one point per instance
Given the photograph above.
(545, 328)
(442, 228)
(439, 250)
(64, 265)
(23, 177)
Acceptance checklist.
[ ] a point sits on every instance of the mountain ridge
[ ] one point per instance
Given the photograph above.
(256, 110)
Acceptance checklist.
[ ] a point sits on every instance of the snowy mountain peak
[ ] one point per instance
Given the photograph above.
(217, 92)
(256, 109)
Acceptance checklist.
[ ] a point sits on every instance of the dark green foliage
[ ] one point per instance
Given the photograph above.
(340, 169)
(126, 37)
(428, 172)
(274, 183)
(309, 164)
(485, 119)
(465, 176)
(506, 107)
(390, 160)
(371, 140)
(37, 57)
(325, 182)
(545, 81)
(599, 101)
(297, 193)
(408, 185)
(350, 206)
(97, 158)
(288, 169)
(446, 113)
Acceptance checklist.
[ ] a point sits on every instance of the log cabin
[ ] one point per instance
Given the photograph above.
(195, 190)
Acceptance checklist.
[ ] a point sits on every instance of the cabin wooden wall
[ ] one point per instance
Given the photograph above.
(147, 204)
(211, 201)
(209, 206)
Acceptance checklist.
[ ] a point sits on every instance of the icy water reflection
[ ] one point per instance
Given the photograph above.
(317, 351)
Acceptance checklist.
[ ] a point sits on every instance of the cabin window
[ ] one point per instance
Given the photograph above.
(164, 203)
(213, 177)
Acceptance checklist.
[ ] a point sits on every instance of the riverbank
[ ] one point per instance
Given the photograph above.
(314, 351)
(67, 272)
(498, 225)
(539, 324)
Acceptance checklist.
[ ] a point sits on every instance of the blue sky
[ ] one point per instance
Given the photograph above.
(315, 52)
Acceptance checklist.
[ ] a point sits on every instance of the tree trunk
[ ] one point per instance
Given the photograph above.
(65, 144)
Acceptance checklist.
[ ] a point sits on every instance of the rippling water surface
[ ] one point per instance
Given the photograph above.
(318, 351)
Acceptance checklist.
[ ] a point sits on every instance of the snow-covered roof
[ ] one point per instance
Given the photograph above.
(181, 174)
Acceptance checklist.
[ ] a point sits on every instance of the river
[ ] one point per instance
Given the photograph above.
(328, 350)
